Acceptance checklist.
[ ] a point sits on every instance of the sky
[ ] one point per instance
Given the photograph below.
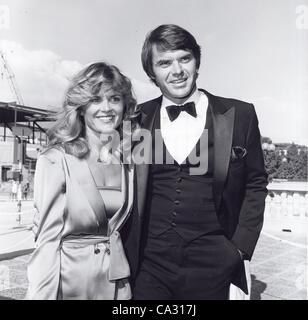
(251, 50)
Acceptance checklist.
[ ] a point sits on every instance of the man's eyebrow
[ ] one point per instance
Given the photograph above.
(161, 61)
(186, 55)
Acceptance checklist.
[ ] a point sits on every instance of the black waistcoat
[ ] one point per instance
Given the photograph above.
(176, 199)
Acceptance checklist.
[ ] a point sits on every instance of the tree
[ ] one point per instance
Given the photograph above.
(266, 140)
(292, 166)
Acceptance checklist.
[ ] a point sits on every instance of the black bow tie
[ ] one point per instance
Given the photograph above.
(174, 110)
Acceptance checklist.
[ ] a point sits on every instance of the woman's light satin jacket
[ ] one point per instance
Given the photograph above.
(71, 224)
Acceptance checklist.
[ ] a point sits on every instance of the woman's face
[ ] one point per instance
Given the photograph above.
(105, 115)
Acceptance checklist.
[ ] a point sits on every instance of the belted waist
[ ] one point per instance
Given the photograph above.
(112, 245)
(85, 240)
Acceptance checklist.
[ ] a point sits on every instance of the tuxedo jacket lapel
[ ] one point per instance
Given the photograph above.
(223, 122)
(142, 170)
(223, 134)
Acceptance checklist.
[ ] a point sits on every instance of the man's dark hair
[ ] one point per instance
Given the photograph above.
(168, 37)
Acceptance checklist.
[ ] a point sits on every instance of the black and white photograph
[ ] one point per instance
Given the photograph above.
(153, 150)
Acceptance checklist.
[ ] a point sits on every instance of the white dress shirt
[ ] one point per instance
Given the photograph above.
(181, 135)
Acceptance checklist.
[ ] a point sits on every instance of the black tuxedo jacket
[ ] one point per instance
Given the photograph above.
(240, 178)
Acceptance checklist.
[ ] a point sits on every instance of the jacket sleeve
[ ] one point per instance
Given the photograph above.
(49, 200)
(252, 211)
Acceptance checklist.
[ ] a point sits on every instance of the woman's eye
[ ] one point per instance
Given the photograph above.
(97, 100)
(115, 99)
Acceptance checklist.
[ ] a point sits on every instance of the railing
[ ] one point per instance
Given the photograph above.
(286, 209)
(287, 199)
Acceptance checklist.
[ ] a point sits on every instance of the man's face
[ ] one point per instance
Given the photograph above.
(175, 73)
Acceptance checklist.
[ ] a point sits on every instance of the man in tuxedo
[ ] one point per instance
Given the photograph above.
(194, 224)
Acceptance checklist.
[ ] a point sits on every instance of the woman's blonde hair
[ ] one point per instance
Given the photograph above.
(69, 129)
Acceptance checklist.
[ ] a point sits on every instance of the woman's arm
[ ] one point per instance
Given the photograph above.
(49, 199)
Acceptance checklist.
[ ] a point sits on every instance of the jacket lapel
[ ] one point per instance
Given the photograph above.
(121, 216)
(142, 170)
(81, 172)
(223, 121)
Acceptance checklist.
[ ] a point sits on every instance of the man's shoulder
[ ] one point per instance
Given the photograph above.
(228, 102)
(233, 102)
(147, 105)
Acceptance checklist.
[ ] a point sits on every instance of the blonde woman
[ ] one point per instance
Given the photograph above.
(83, 193)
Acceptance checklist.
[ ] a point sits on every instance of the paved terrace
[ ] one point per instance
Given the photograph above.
(278, 267)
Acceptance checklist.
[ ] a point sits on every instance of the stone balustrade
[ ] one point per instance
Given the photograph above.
(287, 199)
(286, 208)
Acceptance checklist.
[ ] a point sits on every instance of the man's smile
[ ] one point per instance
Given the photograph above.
(178, 81)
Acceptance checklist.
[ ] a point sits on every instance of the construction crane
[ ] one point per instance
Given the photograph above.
(19, 141)
(12, 81)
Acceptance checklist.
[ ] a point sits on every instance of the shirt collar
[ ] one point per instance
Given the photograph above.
(193, 98)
